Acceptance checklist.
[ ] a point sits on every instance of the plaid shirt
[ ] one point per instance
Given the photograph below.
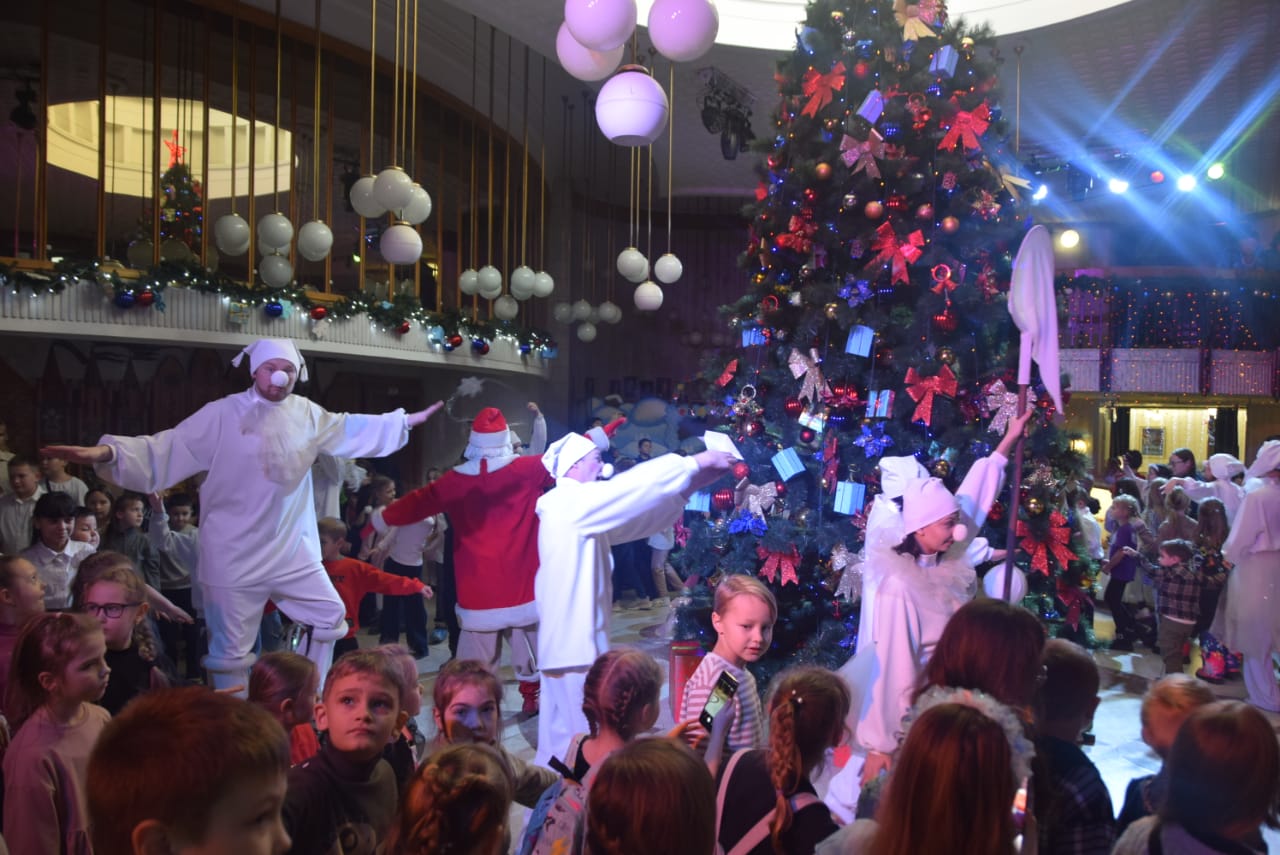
(1179, 589)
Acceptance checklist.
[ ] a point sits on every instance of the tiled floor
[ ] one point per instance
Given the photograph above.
(1119, 752)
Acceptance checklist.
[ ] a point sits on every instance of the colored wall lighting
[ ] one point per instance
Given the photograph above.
(1216, 171)
(1069, 239)
(1186, 183)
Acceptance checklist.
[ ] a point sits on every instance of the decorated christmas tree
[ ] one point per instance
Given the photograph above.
(182, 200)
(876, 323)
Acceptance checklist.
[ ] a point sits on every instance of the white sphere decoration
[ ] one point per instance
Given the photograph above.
(419, 207)
(363, 200)
(581, 310)
(506, 307)
(683, 30)
(695, 338)
(490, 282)
(601, 24)
(522, 282)
(632, 264)
(315, 239)
(993, 584)
(401, 244)
(586, 331)
(274, 232)
(393, 188)
(175, 250)
(648, 296)
(631, 108)
(543, 284)
(469, 281)
(667, 268)
(562, 313)
(582, 62)
(231, 234)
(609, 312)
(276, 270)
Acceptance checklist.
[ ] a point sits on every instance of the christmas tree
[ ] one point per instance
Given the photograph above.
(876, 323)
(182, 202)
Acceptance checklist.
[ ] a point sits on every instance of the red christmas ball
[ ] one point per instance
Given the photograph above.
(807, 435)
(146, 297)
(950, 225)
(404, 327)
(319, 313)
(861, 69)
(740, 471)
(755, 428)
(996, 514)
(793, 407)
(896, 203)
(455, 340)
(874, 210)
(946, 321)
(780, 488)
(722, 500)
(925, 212)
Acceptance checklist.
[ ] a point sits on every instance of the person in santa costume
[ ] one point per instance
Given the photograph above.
(579, 521)
(489, 499)
(258, 536)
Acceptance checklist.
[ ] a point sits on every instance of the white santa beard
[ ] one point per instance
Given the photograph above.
(287, 447)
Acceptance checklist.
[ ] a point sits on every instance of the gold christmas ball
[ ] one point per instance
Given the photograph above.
(837, 17)
(940, 469)
(826, 483)
(823, 171)
(946, 356)
(1034, 505)
(804, 517)
(950, 225)
(832, 310)
(831, 124)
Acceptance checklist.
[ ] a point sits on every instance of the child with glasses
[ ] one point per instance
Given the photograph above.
(117, 599)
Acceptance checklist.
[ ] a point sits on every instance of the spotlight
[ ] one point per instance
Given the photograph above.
(1118, 185)
(1215, 172)
(1041, 192)
(1069, 239)
(1157, 177)
(1186, 183)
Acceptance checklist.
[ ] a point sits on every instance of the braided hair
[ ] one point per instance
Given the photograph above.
(618, 686)
(455, 804)
(807, 712)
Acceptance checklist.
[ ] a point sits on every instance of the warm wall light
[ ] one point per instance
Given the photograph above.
(1069, 239)
(1080, 446)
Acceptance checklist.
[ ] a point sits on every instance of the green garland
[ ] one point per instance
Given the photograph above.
(390, 314)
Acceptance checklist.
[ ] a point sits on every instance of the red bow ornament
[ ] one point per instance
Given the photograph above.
(898, 252)
(727, 374)
(820, 88)
(943, 284)
(966, 127)
(1055, 544)
(1075, 601)
(682, 534)
(776, 563)
(799, 236)
(861, 156)
(923, 389)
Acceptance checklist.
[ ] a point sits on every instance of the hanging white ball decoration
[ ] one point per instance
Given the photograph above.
(601, 24)
(315, 239)
(648, 297)
(401, 244)
(582, 62)
(231, 234)
(543, 284)
(490, 282)
(610, 312)
(363, 200)
(993, 584)
(667, 268)
(581, 310)
(522, 282)
(586, 331)
(275, 270)
(419, 207)
(274, 232)
(175, 250)
(506, 308)
(393, 188)
(562, 313)
(631, 108)
(632, 264)
(683, 30)
(141, 251)
(469, 281)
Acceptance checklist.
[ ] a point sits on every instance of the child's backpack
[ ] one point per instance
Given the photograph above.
(556, 825)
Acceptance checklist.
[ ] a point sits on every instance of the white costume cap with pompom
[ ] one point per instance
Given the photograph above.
(924, 501)
(265, 349)
(1224, 466)
(1268, 459)
(897, 472)
(566, 451)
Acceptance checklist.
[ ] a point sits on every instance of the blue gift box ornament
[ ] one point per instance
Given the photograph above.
(879, 404)
(872, 106)
(699, 502)
(753, 336)
(944, 61)
(850, 497)
(788, 464)
(860, 340)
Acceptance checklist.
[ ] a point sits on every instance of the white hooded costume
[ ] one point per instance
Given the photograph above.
(579, 522)
(1223, 467)
(258, 537)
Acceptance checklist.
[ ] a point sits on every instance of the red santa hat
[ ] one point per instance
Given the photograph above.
(265, 349)
(489, 436)
(601, 435)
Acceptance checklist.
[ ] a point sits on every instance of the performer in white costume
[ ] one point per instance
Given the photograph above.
(578, 521)
(258, 536)
(924, 561)
(1247, 618)
(1223, 469)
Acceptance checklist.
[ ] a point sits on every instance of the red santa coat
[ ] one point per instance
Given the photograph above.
(495, 549)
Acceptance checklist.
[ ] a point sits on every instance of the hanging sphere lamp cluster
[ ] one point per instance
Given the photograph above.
(586, 316)
(487, 283)
(393, 191)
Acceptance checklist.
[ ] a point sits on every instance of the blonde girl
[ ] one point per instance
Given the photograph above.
(59, 671)
(743, 616)
(117, 598)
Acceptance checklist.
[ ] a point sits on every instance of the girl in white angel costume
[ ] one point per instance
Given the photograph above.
(919, 569)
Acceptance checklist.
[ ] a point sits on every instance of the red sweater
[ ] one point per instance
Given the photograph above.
(495, 526)
(354, 579)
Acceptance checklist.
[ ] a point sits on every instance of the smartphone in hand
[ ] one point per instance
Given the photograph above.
(721, 694)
